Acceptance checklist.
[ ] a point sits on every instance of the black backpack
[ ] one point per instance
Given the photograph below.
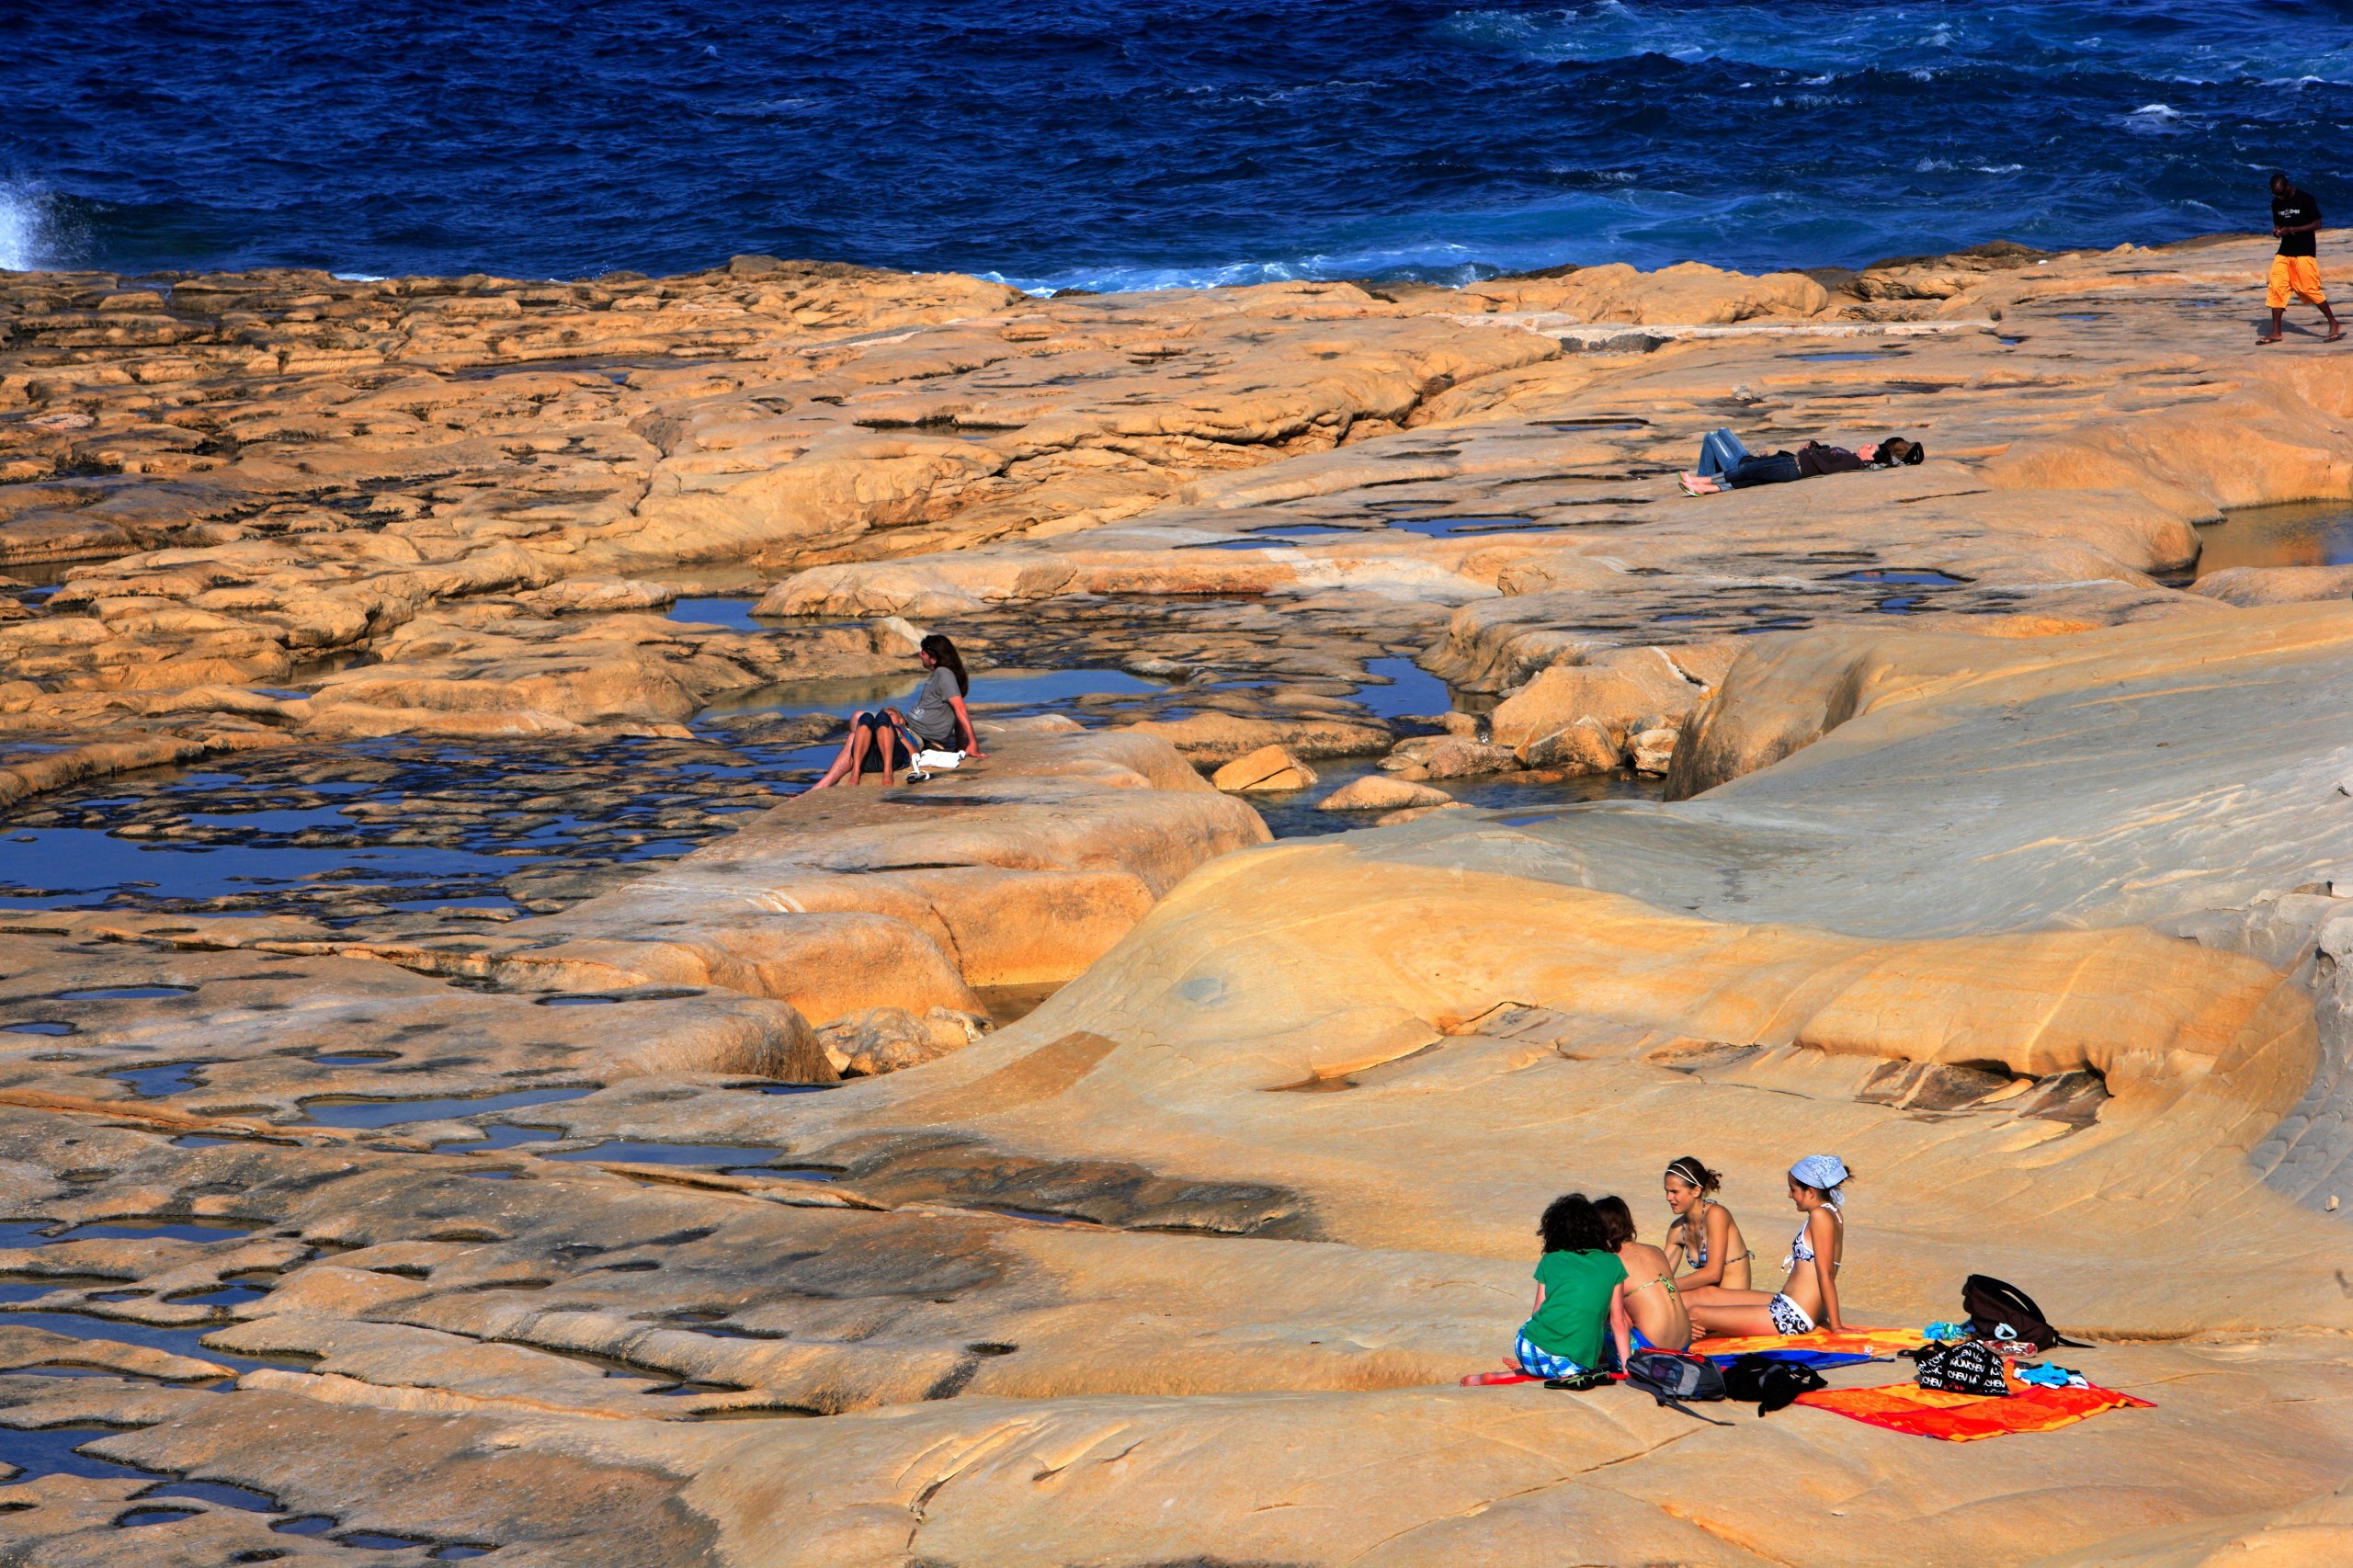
(1992, 1306)
(1964, 1366)
(1769, 1382)
(1671, 1377)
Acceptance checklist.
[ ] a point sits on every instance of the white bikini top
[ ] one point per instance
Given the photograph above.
(1802, 1250)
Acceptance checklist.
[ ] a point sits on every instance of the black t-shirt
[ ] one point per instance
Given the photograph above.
(2296, 207)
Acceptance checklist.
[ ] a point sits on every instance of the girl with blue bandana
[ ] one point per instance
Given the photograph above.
(1809, 1299)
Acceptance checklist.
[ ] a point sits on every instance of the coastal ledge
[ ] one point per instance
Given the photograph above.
(1185, 1165)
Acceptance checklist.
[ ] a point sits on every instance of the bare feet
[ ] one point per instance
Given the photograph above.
(2333, 334)
(2273, 338)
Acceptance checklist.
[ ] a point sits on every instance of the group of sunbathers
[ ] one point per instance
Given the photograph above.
(1602, 1294)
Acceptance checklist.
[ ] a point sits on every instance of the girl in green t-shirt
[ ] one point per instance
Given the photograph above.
(1576, 1281)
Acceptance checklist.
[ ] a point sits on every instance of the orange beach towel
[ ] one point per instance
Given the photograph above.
(1844, 1342)
(1965, 1417)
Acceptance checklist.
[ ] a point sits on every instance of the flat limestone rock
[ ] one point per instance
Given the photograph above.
(1268, 770)
(1378, 792)
(1016, 870)
(1223, 738)
(2250, 586)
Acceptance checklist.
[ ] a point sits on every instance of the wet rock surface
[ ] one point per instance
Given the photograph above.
(458, 1096)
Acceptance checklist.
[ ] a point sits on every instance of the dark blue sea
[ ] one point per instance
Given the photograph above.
(1137, 143)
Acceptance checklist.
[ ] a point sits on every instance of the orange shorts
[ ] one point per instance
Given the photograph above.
(2294, 274)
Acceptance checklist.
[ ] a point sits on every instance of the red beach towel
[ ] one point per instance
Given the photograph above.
(1965, 1417)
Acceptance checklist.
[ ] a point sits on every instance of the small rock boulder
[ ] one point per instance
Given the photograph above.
(595, 596)
(1267, 772)
(1585, 746)
(1448, 756)
(884, 1039)
(1373, 793)
(1652, 750)
(1624, 690)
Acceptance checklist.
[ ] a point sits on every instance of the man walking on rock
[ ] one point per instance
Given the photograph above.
(2295, 218)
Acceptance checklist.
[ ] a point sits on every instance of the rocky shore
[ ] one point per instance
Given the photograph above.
(457, 1096)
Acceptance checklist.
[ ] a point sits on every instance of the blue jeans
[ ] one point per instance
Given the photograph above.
(1721, 453)
(1773, 468)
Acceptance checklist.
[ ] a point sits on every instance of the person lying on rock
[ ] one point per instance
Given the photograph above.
(936, 722)
(1809, 1299)
(1579, 1287)
(1703, 1235)
(1645, 1314)
(1726, 464)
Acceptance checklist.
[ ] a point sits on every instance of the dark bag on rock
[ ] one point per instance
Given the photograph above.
(1671, 1377)
(1965, 1366)
(1768, 1382)
(1997, 1310)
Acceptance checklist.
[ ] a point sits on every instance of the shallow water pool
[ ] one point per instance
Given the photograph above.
(2303, 533)
(735, 614)
(69, 868)
(1295, 815)
(1410, 690)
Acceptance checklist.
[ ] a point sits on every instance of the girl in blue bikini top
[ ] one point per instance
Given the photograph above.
(1703, 1235)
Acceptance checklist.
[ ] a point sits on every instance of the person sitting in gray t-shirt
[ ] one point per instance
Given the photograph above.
(938, 721)
(937, 714)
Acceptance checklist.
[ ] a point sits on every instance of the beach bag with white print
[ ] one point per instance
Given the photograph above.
(1963, 1367)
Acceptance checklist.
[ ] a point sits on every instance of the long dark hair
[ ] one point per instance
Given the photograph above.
(1691, 1173)
(1617, 1221)
(1571, 1225)
(942, 650)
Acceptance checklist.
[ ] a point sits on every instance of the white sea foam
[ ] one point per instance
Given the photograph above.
(21, 225)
